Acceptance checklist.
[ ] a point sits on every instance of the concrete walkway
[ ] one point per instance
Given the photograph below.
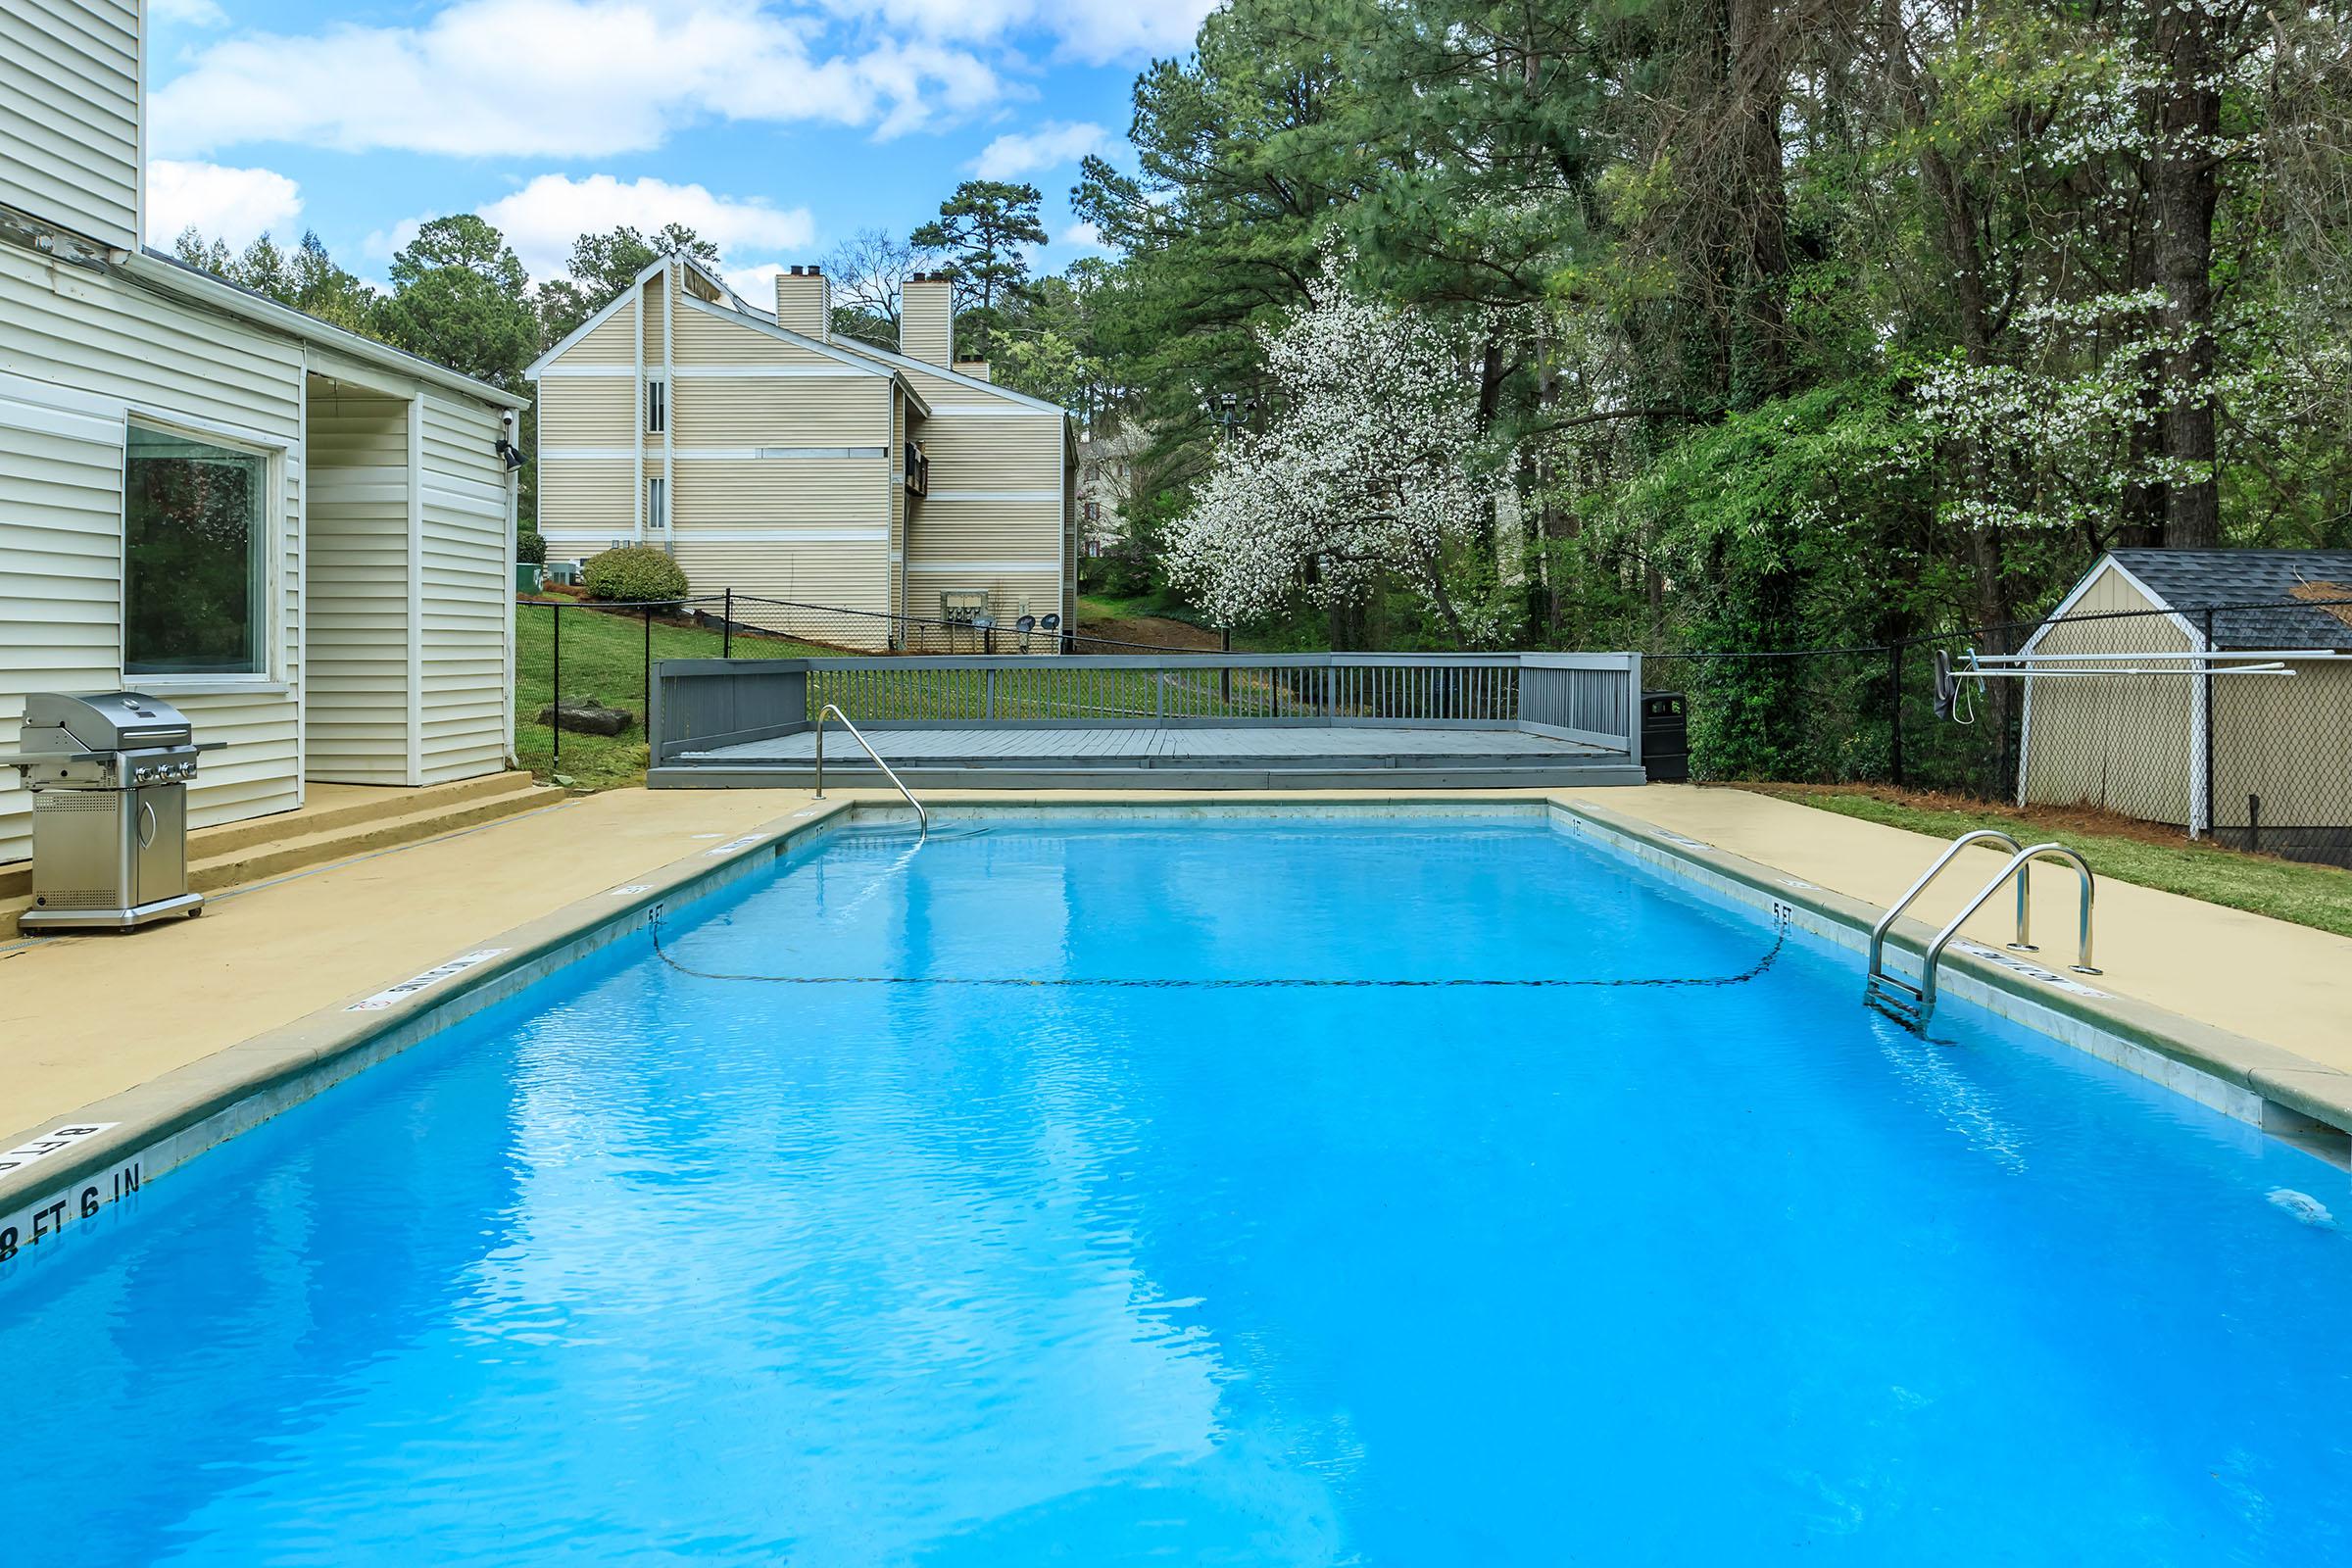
(2286, 985)
(86, 1017)
(82, 1018)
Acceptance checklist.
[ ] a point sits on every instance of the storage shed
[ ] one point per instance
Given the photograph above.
(300, 537)
(2257, 759)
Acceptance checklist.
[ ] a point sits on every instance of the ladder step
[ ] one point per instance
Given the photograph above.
(1881, 978)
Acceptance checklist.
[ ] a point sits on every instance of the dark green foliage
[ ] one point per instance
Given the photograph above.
(530, 547)
(601, 269)
(984, 231)
(634, 575)
(461, 298)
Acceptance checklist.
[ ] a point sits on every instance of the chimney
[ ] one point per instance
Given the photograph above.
(805, 302)
(927, 319)
(977, 369)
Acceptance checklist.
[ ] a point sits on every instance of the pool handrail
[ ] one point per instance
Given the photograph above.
(922, 818)
(1877, 933)
(2014, 865)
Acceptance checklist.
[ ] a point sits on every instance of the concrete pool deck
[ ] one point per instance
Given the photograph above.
(125, 1028)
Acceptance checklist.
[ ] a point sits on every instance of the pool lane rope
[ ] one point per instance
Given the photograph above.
(1780, 940)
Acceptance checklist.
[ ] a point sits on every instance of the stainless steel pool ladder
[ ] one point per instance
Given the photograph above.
(1911, 1003)
(922, 818)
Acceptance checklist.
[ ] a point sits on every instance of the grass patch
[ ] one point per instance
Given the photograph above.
(2141, 852)
(604, 656)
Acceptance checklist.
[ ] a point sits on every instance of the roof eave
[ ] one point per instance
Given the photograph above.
(153, 269)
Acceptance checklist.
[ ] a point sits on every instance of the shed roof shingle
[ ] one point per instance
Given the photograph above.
(2191, 581)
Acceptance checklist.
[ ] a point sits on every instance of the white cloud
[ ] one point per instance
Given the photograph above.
(230, 204)
(1097, 32)
(1050, 146)
(543, 218)
(190, 12)
(1081, 236)
(757, 285)
(557, 78)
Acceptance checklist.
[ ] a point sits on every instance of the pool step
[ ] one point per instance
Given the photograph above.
(1898, 998)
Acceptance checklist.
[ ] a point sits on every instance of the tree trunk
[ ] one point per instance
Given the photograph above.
(2182, 188)
(1760, 202)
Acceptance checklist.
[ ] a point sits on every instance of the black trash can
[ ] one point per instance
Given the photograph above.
(1665, 737)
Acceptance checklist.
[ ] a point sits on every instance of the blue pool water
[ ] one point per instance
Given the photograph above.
(643, 1267)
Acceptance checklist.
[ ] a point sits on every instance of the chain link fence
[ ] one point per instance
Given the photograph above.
(583, 653)
(2230, 723)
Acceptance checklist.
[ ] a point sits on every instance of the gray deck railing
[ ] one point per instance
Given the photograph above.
(702, 703)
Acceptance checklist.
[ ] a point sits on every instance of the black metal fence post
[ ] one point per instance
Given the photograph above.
(726, 628)
(2209, 719)
(1896, 741)
(555, 683)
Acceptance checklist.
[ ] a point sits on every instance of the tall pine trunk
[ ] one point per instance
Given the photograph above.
(2183, 190)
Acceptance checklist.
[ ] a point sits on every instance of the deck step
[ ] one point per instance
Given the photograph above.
(274, 846)
(254, 861)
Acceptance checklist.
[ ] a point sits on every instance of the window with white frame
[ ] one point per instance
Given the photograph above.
(656, 406)
(657, 503)
(195, 541)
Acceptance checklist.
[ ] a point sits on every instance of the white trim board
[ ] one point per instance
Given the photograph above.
(1050, 569)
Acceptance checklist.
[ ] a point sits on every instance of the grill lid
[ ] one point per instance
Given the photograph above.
(102, 721)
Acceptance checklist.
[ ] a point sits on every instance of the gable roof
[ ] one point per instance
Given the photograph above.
(2189, 582)
(902, 362)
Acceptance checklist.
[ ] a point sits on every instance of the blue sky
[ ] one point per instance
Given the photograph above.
(776, 127)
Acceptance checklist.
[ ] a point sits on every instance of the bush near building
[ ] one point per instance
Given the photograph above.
(634, 575)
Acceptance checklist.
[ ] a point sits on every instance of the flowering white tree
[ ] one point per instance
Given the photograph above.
(1366, 470)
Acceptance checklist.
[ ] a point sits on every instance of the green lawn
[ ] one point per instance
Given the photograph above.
(604, 656)
(2317, 896)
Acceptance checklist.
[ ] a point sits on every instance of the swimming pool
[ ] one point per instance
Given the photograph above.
(829, 1267)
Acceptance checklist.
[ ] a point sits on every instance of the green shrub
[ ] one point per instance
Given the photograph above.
(634, 573)
(530, 547)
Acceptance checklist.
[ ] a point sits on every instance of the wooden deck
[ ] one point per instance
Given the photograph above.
(1145, 757)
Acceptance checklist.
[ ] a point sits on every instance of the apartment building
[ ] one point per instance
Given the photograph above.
(776, 459)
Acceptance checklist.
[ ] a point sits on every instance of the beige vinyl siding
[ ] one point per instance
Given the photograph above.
(585, 495)
(466, 557)
(70, 115)
(172, 365)
(845, 574)
(801, 411)
(60, 500)
(355, 727)
(610, 343)
(900, 500)
(704, 338)
(2289, 739)
(583, 410)
(996, 519)
(2123, 744)
(735, 493)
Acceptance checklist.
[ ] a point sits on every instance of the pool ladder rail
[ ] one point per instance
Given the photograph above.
(1911, 1003)
(922, 818)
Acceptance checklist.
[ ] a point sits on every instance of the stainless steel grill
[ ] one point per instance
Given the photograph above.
(109, 773)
